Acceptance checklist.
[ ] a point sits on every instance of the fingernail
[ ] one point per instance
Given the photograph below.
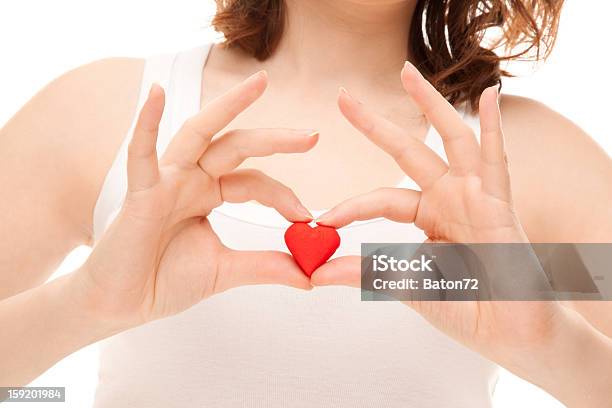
(409, 68)
(154, 86)
(310, 132)
(303, 211)
(495, 91)
(257, 75)
(321, 219)
(343, 91)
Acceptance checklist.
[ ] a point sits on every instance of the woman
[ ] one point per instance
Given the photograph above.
(162, 235)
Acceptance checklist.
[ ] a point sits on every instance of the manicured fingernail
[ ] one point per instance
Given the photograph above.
(257, 75)
(411, 69)
(343, 91)
(494, 90)
(303, 211)
(155, 87)
(311, 132)
(321, 219)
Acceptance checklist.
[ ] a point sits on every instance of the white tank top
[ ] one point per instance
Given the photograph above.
(272, 346)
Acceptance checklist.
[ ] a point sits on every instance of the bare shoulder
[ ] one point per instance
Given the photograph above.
(68, 134)
(561, 178)
(529, 119)
(99, 97)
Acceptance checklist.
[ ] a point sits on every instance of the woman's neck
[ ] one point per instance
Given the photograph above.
(337, 39)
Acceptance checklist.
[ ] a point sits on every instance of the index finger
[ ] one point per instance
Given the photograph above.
(196, 133)
(342, 271)
(459, 140)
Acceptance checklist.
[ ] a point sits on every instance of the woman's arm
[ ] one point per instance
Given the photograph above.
(561, 178)
(43, 325)
(54, 154)
(469, 200)
(562, 185)
(160, 255)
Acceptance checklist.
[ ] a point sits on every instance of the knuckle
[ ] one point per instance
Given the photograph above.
(239, 146)
(136, 151)
(506, 160)
(255, 174)
(466, 132)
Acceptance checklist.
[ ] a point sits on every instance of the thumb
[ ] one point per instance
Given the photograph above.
(242, 268)
(344, 271)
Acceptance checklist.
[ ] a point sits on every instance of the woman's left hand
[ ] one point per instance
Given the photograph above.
(467, 200)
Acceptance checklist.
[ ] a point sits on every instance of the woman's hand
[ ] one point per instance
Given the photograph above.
(467, 201)
(160, 255)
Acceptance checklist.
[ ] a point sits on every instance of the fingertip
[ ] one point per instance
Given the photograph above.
(490, 114)
(332, 218)
(324, 219)
(303, 214)
(261, 78)
(345, 96)
(344, 271)
(157, 96)
(318, 278)
(312, 138)
(152, 110)
(255, 85)
(490, 95)
(156, 90)
(347, 104)
(302, 141)
(410, 73)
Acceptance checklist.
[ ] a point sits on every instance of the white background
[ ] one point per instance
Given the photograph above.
(41, 39)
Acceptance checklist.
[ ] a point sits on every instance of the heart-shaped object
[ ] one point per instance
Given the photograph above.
(311, 247)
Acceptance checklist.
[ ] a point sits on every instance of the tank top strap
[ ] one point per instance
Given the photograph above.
(180, 74)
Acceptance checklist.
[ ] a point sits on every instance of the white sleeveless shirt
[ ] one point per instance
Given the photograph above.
(273, 346)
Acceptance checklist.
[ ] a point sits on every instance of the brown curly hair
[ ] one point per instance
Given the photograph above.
(447, 39)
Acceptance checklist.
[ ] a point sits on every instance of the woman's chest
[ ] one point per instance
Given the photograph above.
(342, 164)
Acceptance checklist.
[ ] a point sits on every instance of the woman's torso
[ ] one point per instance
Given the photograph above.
(275, 346)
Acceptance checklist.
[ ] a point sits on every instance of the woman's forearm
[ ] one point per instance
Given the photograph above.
(576, 366)
(43, 325)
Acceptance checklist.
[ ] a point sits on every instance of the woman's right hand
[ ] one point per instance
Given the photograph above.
(160, 256)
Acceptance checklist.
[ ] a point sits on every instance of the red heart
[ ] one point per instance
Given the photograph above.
(311, 247)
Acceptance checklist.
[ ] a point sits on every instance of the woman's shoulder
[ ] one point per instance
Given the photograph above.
(525, 116)
(547, 153)
(102, 94)
(72, 128)
(538, 132)
(87, 106)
